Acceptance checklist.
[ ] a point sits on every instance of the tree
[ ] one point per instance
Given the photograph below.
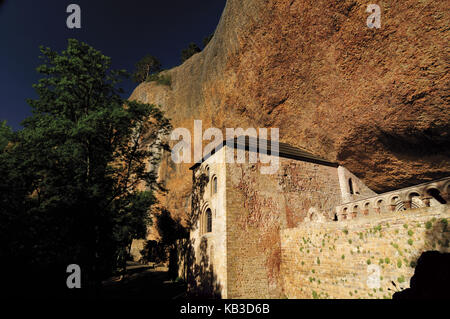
(189, 51)
(5, 135)
(145, 67)
(84, 155)
(207, 39)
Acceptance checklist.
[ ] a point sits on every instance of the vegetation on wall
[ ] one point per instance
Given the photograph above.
(145, 67)
(189, 51)
(193, 48)
(395, 247)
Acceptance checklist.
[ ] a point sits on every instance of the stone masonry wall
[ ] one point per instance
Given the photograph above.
(335, 259)
(258, 207)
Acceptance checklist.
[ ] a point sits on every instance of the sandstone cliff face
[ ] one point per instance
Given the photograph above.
(374, 100)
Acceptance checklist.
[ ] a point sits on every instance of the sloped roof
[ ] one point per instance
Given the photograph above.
(284, 150)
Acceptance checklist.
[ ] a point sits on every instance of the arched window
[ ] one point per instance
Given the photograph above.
(208, 221)
(214, 185)
(350, 186)
(436, 195)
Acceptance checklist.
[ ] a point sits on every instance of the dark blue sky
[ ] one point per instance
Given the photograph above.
(123, 30)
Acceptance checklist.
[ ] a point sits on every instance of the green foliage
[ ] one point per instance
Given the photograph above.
(405, 226)
(207, 39)
(77, 179)
(399, 263)
(428, 225)
(6, 135)
(446, 243)
(444, 223)
(377, 228)
(189, 51)
(387, 260)
(410, 241)
(318, 261)
(180, 280)
(410, 232)
(343, 256)
(401, 279)
(368, 261)
(160, 78)
(145, 67)
(345, 231)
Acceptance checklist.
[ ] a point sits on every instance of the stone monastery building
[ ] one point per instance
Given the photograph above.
(241, 215)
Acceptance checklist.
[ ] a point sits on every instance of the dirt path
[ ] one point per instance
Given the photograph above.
(144, 282)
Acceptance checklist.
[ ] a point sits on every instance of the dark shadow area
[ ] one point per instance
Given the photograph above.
(144, 283)
(165, 250)
(431, 279)
(416, 143)
(197, 269)
(201, 278)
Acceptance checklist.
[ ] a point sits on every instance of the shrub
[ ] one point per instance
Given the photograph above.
(189, 51)
(162, 79)
(444, 223)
